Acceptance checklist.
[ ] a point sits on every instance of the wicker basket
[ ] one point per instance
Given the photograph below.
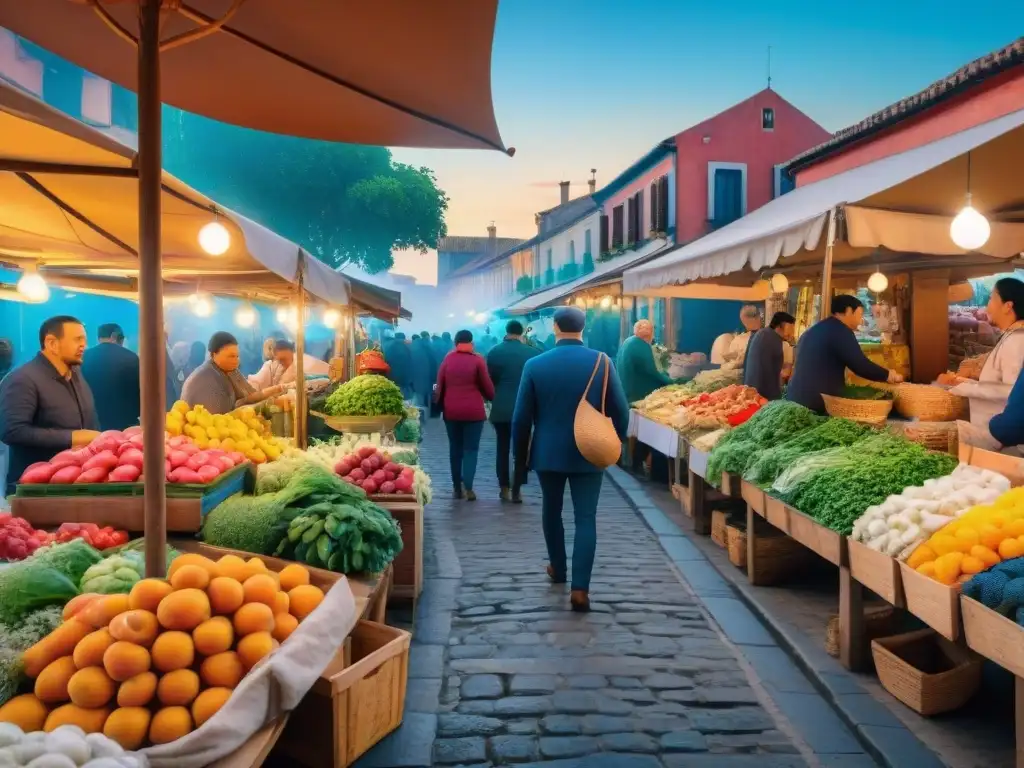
(928, 403)
(359, 424)
(736, 545)
(926, 672)
(878, 622)
(934, 435)
(719, 521)
(863, 411)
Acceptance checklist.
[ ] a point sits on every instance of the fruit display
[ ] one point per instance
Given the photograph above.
(150, 666)
(187, 463)
(241, 431)
(99, 538)
(18, 539)
(1000, 588)
(982, 537)
(62, 746)
(374, 472)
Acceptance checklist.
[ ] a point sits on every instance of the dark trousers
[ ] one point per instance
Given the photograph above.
(585, 490)
(503, 430)
(659, 462)
(463, 447)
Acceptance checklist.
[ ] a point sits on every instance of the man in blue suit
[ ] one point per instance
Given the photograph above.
(112, 373)
(552, 386)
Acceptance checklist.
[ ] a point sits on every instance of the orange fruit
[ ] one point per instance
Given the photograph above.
(281, 603)
(253, 617)
(137, 691)
(225, 594)
(222, 670)
(183, 610)
(284, 625)
(254, 647)
(124, 660)
(128, 726)
(147, 594)
(192, 559)
(173, 650)
(170, 724)
(304, 600)
(190, 577)
(292, 576)
(213, 636)
(208, 702)
(233, 567)
(178, 688)
(260, 588)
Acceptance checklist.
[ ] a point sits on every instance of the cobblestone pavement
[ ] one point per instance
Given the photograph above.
(502, 672)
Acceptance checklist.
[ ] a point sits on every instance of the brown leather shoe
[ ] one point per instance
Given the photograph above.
(579, 600)
(553, 577)
(504, 494)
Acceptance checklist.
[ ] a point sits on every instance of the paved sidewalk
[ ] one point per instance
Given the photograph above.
(502, 672)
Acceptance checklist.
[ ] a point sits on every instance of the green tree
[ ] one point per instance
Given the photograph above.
(344, 203)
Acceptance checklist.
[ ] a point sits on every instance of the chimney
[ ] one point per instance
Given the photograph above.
(563, 187)
(492, 239)
(592, 183)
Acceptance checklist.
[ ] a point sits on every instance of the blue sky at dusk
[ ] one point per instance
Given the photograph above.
(582, 84)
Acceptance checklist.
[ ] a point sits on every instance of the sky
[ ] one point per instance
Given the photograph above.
(581, 84)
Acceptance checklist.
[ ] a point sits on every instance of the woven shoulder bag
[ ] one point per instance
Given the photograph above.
(595, 434)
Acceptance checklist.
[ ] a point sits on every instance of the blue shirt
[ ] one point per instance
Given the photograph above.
(1008, 427)
(113, 372)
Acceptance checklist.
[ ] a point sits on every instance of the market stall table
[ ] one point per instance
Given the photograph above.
(663, 439)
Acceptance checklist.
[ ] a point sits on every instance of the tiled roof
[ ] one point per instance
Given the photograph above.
(471, 244)
(965, 78)
(555, 219)
(489, 258)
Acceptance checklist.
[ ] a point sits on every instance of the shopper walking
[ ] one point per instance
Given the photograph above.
(462, 386)
(553, 385)
(424, 371)
(505, 365)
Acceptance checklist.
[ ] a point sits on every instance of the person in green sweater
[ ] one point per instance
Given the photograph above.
(640, 376)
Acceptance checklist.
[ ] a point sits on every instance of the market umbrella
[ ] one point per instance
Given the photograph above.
(389, 72)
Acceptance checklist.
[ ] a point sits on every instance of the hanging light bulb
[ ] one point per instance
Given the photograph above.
(202, 307)
(282, 314)
(245, 316)
(332, 318)
(779, 283)
(969, 229)
(214, 238)
(32, 286)
(193, 298)
(878, 282)
(606, 301)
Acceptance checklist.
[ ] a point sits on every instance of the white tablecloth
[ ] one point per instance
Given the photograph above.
(697, 461)
(661, 438)
(634, 423)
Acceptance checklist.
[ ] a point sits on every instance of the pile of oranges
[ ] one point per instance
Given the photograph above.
(150, 666)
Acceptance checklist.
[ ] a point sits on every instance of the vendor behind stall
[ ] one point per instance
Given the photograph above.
(736, 353)
(280, 369)
(640, 376)
(217, 384)
(826, 350)
(766, 356)
(1003, 365)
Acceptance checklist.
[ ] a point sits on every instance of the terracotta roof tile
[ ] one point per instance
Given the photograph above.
(473, 244)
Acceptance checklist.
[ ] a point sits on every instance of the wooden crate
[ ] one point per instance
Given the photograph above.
(993, 636)
(356, 702)
(877, 571)
(754, 496)
(407, 579)
(776, 513)
(937, 605)
(1008, 466)
(186, 506)
(731, 485)
(821, 540)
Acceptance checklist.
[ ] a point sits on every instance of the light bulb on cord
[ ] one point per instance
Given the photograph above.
(606, 301)
(332, 318)
(969, 229)
(878, 282)
(214, 238)
(193, 298)
(32, 286)
(202, 307)
(779, 283)
(245, 316)
(282, 314)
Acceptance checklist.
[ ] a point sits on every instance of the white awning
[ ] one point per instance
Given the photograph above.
(602, 270)
(796, 221)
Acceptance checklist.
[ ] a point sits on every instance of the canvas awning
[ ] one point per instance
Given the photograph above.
(902, 203)
(603, 271)
(414, 74)
(69, 200)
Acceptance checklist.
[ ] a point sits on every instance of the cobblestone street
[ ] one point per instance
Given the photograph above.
(502, 672)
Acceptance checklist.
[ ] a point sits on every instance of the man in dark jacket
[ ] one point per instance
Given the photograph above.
(45, 405)
(826, 350)
(766, 356)
(549, 394)
(505, 365)
(113, 371)
(398, 355)
(424, 370)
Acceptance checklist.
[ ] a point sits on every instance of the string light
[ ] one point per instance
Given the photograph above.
(245, 316)
(332, 318)
(779, 283)
(214, 238)
(32, 286)
(202, 306)
(969, 229)
(878, 282)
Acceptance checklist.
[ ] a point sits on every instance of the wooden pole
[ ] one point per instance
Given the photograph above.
(300, 353)
(152, 344)
(350, 353)
(826, 272)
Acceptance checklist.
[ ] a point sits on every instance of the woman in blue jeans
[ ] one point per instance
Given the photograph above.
(462, 386)
(551, 389)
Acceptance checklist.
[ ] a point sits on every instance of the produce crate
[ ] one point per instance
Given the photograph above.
(821, 540)
(731, 484)
(754, 497)
(719, 522)
(937, 605)
(993, 635)
(186, 504)
(928, 673)
(776, 557)
(356, 702)
(877, 571)
(776, 513)
(408, 566)
(255, 751)
(1008, 466)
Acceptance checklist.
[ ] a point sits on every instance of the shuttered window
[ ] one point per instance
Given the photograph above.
(663, 217)
(616, 226)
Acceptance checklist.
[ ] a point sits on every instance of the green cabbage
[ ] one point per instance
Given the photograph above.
(366, 395)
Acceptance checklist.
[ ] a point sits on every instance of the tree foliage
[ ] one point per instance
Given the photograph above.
(344, 203)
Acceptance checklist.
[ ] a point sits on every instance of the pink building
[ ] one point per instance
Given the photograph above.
(731, 163)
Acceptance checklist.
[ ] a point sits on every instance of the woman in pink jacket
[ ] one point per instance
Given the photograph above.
(462, 385)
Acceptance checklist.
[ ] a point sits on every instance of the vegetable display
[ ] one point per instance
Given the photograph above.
(366, 395)
(717, 409)
(96, 537)
(904, 520)
(1000, 588)
(62, 747)
(865, 392)
(770, 462)
(374, 472)
(983, 536)
(114, 574)
(15, 639)
(242, 431)
(150, 666)
(18, 539)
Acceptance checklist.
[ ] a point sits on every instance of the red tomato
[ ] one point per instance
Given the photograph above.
(119, 538)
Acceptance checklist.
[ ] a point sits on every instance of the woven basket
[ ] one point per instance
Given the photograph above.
(863, 411)
(878, 622)
(927, 403)
(736, 545)
(719, 521)
(926, 672)
(934, 435)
